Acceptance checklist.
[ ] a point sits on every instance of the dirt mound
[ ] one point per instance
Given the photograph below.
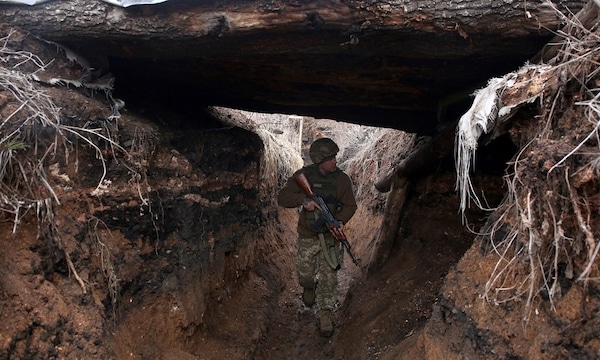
(527, 289)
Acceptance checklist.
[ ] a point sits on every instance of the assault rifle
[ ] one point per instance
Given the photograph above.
(325, 216)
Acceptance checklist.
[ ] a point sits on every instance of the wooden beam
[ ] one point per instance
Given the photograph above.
(420, 160)
(388, 233)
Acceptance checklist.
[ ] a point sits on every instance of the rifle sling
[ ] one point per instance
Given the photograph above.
(333, 263)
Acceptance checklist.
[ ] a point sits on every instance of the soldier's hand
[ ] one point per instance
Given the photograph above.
(338, 232)
(310, 204)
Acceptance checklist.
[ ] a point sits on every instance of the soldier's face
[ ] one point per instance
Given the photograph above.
(328, 166)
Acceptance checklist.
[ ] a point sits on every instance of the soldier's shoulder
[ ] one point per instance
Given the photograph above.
(306, 169)
(342, 175)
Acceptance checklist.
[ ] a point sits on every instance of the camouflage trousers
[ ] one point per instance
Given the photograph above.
(315, 272)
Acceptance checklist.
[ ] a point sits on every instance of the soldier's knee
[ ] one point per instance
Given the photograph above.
(306, 282)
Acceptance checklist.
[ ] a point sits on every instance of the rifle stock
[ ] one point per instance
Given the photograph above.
(304, 184)
(326, 216)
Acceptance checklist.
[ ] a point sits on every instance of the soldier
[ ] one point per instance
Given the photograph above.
(319, 254)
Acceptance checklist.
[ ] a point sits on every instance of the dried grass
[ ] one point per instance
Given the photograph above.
(96, 237)
(377, 152)
(282, 138)
(33, 135)
(366, 151)
(544, 234)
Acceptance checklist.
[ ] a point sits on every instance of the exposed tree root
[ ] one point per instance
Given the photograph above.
(542, 233)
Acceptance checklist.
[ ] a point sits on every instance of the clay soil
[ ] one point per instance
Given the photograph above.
(46, 314)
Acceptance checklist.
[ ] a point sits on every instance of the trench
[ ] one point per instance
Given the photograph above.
(207, 270)
(223, 283)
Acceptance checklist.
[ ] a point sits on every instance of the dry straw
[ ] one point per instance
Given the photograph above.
(366, 151)
(281, 137)
(32, 133)
(34, 136)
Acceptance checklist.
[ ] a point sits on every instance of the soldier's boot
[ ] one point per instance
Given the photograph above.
(326, 323)
(308, 296)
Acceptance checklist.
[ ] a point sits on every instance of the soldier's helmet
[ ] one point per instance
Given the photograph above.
(322, 149)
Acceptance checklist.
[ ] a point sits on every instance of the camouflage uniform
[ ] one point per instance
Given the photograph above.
(312, 268)
(336, 189)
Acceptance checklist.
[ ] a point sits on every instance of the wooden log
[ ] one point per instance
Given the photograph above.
(382, 64)
(423, 155)
(388, 233)
(587, 17)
